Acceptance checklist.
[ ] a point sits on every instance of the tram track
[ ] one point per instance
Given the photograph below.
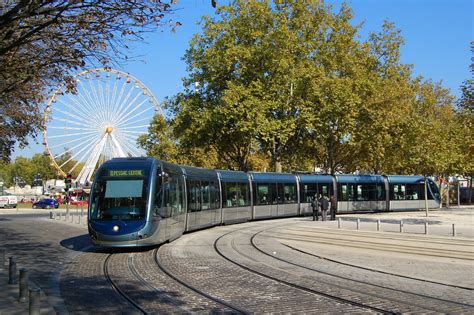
(403, 297)
(189, 286)
(454, 303)
(378, 271)
(291, 284)
(333, 238)
(117, 288)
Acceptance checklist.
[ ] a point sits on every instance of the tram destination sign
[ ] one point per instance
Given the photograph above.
(123, 173)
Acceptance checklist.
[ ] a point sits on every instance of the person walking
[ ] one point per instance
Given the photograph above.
(333, 208)
(315, 206)
(324, 207)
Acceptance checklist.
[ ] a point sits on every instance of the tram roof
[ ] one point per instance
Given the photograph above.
(354, 179)
(233, 176)
(405, 179)
(273, 177)
(199, 173)
(313, 178)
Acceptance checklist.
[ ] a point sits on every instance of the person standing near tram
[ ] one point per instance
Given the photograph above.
(333, 208)
(315, 206)
(324, 207)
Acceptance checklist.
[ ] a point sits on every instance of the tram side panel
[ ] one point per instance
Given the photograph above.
(236, 197)
(408, 193)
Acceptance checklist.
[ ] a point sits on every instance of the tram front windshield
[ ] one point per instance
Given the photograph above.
(119, 198)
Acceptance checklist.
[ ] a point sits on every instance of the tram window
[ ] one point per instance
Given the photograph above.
(434, 190)
(397, 192)
(214, 195)
(308, 192)
(343, 192)
(412, 192)
(236, 195)
(158, 195)
(243, 194)
(206, 198)
(290, 193)
(175, 196)
(194, 202)
(280, 195)
(380, 193)
(230, 194)
(323, 190)
(263, 194)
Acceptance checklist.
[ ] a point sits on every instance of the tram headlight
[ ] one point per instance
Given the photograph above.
(115, 228)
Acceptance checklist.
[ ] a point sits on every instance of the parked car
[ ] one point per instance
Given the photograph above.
(46, 204)
(8, 201)
(79, 203)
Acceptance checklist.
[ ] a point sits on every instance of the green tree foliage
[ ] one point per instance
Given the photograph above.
(42, 42)
(27, 169)
(291, 82)
(465, 122)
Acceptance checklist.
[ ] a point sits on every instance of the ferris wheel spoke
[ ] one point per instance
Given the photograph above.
(103, 100)
(109, 98)
(135, 132)
(68, 128)
(131, 149)
(122, 103)
(72, 134)
(62, 143)
(130, 112)
(89, 145)
(131, 144)
(84, 115)
(88, 100)
(126, 108)
(116, 102)
(102, 120)
(99, 112)
(84, 143)
(122, 125)
(79, 120)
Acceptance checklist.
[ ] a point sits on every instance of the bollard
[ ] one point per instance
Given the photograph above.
(23, 285)
(2, 258)
(51, 215)
(338, 223)
(401, 226)
(426, 227)
(34, 301)
(378, 225)
(358, 222)
(454, 230)
(12, 276)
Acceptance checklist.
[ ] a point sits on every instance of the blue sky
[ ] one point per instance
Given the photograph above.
(437, 37)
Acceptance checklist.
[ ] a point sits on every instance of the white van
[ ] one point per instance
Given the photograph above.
(8, 201)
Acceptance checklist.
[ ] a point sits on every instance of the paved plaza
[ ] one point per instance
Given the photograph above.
(56, 254)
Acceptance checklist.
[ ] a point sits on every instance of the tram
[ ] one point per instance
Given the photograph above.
(143, 201)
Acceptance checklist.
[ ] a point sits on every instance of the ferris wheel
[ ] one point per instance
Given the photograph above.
(100, 121)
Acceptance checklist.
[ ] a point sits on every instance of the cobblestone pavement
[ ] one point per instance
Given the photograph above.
(364, 265)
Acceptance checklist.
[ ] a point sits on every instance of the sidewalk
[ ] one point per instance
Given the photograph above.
(9, 294)
(439, 222)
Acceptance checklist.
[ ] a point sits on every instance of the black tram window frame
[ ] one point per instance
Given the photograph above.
(212, 195)
(241, 200)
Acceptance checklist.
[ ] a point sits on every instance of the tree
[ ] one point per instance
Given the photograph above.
(256, 68)
(385, 104)
(42, 42)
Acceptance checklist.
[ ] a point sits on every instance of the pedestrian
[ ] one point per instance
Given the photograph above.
(333, 208)
(315, 206)
(324, 207)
